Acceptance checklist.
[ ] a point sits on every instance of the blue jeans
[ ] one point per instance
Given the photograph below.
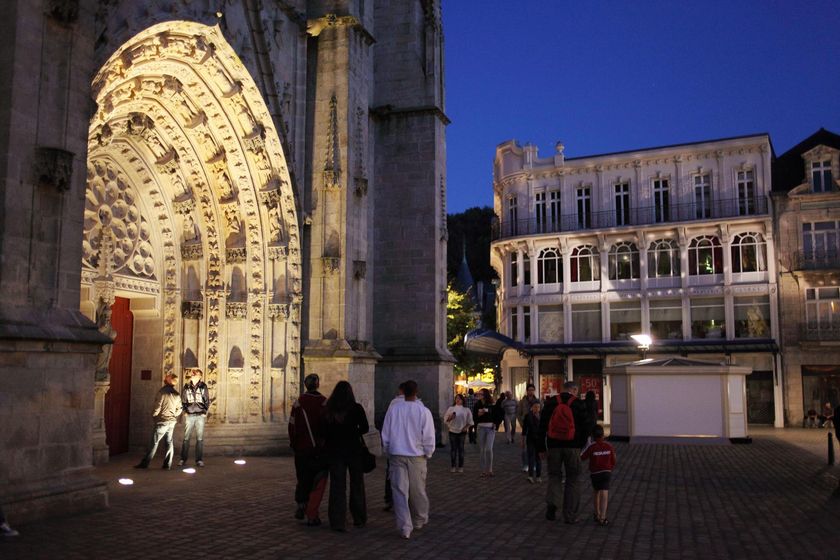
(194, 422)
(486, 437)
(534, 463)
(164, 431)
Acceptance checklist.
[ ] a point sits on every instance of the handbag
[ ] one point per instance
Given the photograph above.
(373, 443)
(368, 460)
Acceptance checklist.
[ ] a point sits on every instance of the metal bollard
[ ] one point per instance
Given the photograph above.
(830, 449)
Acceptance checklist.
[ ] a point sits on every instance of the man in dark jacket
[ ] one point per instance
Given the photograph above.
(310, 462)
(564, 455)
(196, 401)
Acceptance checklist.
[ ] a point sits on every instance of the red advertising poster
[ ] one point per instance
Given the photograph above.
(550, 384)
(592, 383)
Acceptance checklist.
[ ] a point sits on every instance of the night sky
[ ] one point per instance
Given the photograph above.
(605, 76)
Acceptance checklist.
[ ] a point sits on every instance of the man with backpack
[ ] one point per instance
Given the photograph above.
(563, 444)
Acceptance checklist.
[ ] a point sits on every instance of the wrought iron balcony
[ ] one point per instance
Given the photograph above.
(728, 208)
(819, 334)
(816, 260)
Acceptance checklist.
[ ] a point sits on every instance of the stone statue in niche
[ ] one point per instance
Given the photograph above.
(103, 323)
(191, 232)
(275, 225)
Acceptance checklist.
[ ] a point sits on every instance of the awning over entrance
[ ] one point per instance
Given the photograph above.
(488, 342)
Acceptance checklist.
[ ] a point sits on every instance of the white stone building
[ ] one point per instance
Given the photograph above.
(675, 242)
(253, 188)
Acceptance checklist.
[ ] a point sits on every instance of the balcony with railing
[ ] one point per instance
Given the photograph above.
(728, 208)
(825, 259)
(828, 333)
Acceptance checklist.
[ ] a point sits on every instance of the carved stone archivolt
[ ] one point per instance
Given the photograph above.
(236, 310)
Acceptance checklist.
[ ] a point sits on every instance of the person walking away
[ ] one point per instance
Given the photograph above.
(408, 440)
(601, 457)
(827, 417)
(458, 421)
(530, 442)
(522, 409)
(509, 405)
(307, 443)
(469, 402)
(195, 400)
(167, 409)
(344, 424)
(389, 495)
(564, 442)
(483, 416)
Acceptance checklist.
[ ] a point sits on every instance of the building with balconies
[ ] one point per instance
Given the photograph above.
(672, 241)
(806, 208)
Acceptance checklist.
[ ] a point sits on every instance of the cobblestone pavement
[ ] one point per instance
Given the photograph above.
(766, 500)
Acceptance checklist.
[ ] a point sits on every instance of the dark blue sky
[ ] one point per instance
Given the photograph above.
(606, 76)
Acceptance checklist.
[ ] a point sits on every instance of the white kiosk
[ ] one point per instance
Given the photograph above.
(677, 399)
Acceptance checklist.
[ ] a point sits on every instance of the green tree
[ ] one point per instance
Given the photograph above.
(462, 317)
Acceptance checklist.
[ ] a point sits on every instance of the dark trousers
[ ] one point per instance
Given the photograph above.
(562, 493)
(339, 467)
(389, 493)
(309, 470)
(534, 463)
(472, 434)
(456, 449)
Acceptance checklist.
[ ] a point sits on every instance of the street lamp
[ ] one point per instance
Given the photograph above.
(644, 341)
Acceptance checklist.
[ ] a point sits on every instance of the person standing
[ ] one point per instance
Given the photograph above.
(509, 405)
(344, 424)
(522, 409)
(307, 444)
(601, 456)
(195, 400)
(408, 440)
(167, 409)
(469, 402)
(530, 442)
(483, 416)
(458, 421)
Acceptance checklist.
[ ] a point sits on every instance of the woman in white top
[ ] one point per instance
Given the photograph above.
(458, 420)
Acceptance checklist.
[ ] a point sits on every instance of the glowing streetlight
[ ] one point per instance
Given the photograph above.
(644, 341)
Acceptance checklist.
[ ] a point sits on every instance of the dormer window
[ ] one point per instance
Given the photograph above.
(821, 176)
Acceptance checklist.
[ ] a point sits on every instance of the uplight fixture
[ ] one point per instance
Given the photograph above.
(644, 341)
(189, 470)
(126, 481)
(240, 461)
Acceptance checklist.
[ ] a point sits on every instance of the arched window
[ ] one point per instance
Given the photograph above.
(705, 256)
(663, 258)
(624, 261)
(549, 267)
(748, 253)
(586, 264)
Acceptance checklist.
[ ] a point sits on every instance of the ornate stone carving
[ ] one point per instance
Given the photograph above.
(192, 251)
(236, 255)
(278, 311)
(277, 252)
(53, 167)
(359, 269)
(62, 11)
(332, 164)
(331, 265)
(360, 186)
(235, 374)
(236, 310)
(183, 207)
(192, 309)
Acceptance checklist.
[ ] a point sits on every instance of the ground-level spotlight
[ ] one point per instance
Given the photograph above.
(189, 470)
(126, 481)
(240, 461)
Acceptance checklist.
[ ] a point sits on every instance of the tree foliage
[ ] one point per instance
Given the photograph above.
(462, 317)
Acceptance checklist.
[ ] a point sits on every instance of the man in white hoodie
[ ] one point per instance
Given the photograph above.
(408, 439)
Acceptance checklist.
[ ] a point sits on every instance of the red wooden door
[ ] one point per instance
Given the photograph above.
(118, 398)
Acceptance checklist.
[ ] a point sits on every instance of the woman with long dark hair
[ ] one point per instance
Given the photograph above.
(344, 423)
(483, 417)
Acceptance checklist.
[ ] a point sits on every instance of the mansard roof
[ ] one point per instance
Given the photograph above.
(789, 169)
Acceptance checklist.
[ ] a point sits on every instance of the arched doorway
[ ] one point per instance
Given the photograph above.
(190, 215)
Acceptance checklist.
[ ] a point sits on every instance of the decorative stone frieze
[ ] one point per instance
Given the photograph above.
(278, 311)
(236, 255)
(331, 265)
(236, 310)
(192, 309)
(192, 252)
(277, 253)
(53, 167)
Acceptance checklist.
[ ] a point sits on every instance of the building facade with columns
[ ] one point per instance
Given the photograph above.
(256, 189)
(676, 242)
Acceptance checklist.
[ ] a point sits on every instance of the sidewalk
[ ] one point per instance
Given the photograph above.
(765, 500)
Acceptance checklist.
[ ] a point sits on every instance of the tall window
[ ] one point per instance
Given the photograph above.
(622, 204)
(746, 192)
(526, 324)
(586, 264)
(549, 267)
(821, 176)
(666, 319)
(663, 258)
(514, 323)
(623, 261)
(526, 269)
(821, 241)
(708, 318)
(550, 318)
(752, 317)
(513, 216)
(705, 256)
(661, 201)
(822, 309)
(541, 212)
(748, 253)
(554, 210)
(584, 207)
(702, 196)
(514, 268)
(625, 319)
(586, 322)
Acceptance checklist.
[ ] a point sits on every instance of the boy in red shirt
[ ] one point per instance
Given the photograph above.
(601, 457)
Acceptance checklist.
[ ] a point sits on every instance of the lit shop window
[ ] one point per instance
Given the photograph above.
(663, 258)
(752, 317)
(666, 319)
(623, 261)
(708, 318)
(705, 256)
(625, 319)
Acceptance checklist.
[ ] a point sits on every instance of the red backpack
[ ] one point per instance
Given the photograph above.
(562, 423)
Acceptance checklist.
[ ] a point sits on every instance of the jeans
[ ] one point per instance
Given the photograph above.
(194, 422)
(163, 430)
(534, 463)
(456, 449)
(408, 483)
(558, 494)
(510, 426)
(486, 438)
(339, 466)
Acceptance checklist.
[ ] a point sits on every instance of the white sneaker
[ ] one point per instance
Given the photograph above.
(200, 463)
(6, 531)
(539, 479)
(181, 463)
(452, 470)
(524, 469)
(460, 470)
(531, 479)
